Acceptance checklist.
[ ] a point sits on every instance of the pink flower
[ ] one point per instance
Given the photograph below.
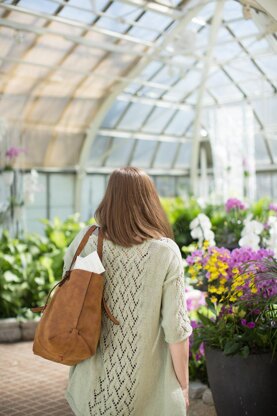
(234, 203)
(195, 298)
(14, 152)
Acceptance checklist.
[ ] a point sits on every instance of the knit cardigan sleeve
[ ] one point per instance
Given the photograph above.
(174, 315)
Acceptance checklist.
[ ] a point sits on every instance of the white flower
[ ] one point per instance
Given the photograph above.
(252, 227)
(201, 220)
(201, 229)
(209, 236)
(197, 233)
(251, 240)
(272, 220)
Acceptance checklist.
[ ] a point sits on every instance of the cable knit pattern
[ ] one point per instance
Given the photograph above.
(131, 373)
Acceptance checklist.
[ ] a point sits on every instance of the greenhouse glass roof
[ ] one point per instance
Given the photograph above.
(96, 84)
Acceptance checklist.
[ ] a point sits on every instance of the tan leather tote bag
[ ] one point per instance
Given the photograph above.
(69, 329)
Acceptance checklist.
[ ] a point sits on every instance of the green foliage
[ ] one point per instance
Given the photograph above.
(225, 332)
(180, 213)
(30, 266)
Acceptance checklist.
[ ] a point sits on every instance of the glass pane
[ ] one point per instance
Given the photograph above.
(135, 116)
(143, 153)
(114, 114)
(183, 186)
(98, 150)
(226, 93)
(261, 153)
(33, 217)
(166, 76)
(97, 188)
(184, 156)
(77, 14)
(153, 21)
(165, 155)
(244, 28)
(266, 110)
(232, 10)
(273, 148)
(264, 185)
(180, 123)
(165, 186)
(268, 64)
(119, 152)
(241, 70)
(61, 190)
(183, 87)
(158, 120)
(45, 6)
(118, 10)
(151, 69)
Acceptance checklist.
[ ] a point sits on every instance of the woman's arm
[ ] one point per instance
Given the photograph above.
(180, 358)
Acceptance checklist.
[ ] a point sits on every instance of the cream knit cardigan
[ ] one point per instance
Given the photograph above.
(132, 373)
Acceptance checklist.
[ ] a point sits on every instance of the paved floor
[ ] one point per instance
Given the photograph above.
(30, 385)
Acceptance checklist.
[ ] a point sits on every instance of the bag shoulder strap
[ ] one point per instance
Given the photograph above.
(84, 241)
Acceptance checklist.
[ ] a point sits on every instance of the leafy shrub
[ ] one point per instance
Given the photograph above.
(30, 266)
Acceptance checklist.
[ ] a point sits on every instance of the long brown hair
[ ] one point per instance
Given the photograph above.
(130, 211)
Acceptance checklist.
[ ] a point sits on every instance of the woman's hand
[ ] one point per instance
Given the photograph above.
(186, 396)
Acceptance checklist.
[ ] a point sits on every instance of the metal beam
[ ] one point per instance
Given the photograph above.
(78, 40)
(107, 103)
(123, 134)
(85, 73)
(201, 91)
(74, 23)
(270, 6)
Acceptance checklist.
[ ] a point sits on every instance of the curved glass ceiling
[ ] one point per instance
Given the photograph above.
(98, 84)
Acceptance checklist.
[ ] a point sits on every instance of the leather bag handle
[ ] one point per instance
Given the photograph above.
(67, 273)
(84, 241)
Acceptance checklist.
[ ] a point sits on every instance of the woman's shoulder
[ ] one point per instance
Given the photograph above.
(166, 245)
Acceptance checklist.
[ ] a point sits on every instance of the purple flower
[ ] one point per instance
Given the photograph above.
(14, 152)
(273, 207)
(250, 325)
(234, 203)
(195, 257)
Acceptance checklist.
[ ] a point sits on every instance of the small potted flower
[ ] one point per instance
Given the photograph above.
(239, 327)
(8, 171)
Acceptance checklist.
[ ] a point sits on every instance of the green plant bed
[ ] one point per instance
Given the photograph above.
(30, 266)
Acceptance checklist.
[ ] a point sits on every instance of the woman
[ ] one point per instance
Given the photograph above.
(141, 366)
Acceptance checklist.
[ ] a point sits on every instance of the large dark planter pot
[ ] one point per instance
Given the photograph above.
(242, 386)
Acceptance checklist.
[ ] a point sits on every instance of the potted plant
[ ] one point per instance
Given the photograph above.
(238, 328)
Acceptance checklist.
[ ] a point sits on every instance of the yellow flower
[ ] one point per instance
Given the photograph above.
(206, 244)
(220, 290)
(213, 299)
(233, 298)
(212, 289)
(254, 289)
